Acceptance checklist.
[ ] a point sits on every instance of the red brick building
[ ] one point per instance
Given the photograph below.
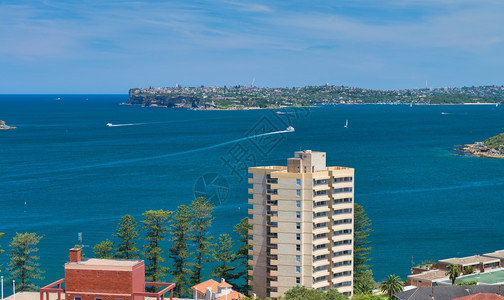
(104, 279)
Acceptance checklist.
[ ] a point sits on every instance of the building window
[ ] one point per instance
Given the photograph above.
(298, 236)
(298, 181)
(298, 269)
(298, 193)
(298, 225)
(298, 247)
(298, 203)
(298, 214)
(77, 298)
(298, 258)
(97, 298)
(298, 280)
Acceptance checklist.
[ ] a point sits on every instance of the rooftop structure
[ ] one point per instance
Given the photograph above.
(213, 290)
(104, 279)
(302, 220)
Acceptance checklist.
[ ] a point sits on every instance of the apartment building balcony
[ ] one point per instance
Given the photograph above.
(251, 211)
(250, 180)
(250, 191)
(273, 197)
(272, 186)
(273, 263)
(320, 284)
(320, 197)
(250, 231)
(250, 272)
(250, 201)
(271, 192)
(321, 273)
(320, 230)
(274, 230)
(320, 241)
(321, 219)
(250, 252)
(273, 208)
(321, 208)
(272, 273)
(271, 202)
(274, 251)
(250, 221)
(272, 181)
(318, 252)
(273, 294)
(272, 218)
(273, 242)
(273, 283)
(320, 262)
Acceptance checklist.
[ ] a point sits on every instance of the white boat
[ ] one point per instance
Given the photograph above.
(109, 124)
(290, 128)
(346, 124)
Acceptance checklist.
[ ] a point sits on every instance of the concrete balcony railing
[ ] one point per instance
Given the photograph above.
(273, 208)
(250, 201)
(273, 283)
(272, 273)
(250, 252)
(273, 262)
(273, 219)
(274, 251)
(251, 180)
(320, 284)
(250, 191)
(274, 241)
(251, 211)
(274, 229)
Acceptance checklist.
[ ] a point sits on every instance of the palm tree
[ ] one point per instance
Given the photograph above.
(392, 285)
(453, 272)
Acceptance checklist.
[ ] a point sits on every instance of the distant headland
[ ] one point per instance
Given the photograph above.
(492, 147)
(241, 97)
(4, 126)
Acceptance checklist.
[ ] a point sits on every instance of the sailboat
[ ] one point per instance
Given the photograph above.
(346, 124)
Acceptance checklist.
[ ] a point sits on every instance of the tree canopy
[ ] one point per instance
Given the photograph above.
(23, 265)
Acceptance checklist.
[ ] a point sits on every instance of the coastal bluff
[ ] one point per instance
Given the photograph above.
(492, 147)
(4, 126)
(162, 100)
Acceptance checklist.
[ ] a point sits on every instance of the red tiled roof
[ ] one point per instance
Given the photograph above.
(202, 287)
(234, 295)
(481, 296)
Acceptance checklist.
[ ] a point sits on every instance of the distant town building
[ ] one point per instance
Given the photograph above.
(104, 279)
(213, 290)
(302, 220)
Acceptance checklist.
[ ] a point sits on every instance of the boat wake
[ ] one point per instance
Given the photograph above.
(134, 160)
(121, 125)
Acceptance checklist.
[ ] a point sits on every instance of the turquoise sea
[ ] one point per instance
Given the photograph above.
(63, 171)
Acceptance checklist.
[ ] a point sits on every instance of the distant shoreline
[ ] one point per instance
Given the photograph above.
(478, 149)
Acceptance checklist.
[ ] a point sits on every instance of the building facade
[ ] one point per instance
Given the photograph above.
(302, 219)
(104, 279)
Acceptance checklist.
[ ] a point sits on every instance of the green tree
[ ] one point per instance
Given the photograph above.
(453, 272)
(242, 256)
(392, 285)
(302, 293)
(104, 249)
(364, 284)
(155, 226)
(223, 254)
(362, 229)
(23, 264)
(468, 270)
(127, 233)
(202, 219)
(179, 252)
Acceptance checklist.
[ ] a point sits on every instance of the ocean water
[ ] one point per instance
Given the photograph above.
(63, 171)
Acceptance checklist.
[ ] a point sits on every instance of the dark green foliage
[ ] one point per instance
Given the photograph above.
(496, 142)
(179, 252)
(223, 255)
(453, 272)
(127, 233)
(242, 256)
(104, 249)
(302, 293)
(362, 229)
(155, 227)
(468, 270)
(472, 282)
(370, 297)
(202, 219)
(364, 284)
(23, 264)
(392, 285)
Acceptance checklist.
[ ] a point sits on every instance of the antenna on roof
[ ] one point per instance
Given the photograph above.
(253, 81)
(79, 237)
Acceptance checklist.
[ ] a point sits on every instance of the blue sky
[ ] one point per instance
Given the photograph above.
(109, 46)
